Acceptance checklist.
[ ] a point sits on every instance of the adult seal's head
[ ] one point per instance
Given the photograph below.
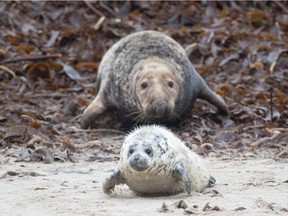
(147, 77)
(157, 88)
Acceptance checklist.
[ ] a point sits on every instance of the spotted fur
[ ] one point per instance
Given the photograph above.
(172, 169)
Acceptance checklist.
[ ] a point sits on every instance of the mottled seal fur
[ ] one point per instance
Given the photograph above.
(154, 162)
(147, 77)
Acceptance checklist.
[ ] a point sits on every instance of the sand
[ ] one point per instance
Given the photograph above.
(245, 186)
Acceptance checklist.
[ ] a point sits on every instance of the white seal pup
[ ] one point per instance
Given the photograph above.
(146, 77)
(154, 162)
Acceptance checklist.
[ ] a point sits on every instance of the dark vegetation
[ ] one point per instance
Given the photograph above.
(50, 52)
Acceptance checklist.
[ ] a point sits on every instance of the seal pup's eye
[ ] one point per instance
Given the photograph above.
(148, 151)
(144, 85)
(170, 84)
(130, 151)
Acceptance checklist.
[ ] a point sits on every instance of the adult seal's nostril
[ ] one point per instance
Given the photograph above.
(160, 104)
(159, 108)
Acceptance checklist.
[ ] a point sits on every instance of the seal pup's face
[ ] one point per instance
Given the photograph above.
(157, 89)
(140, 156)
(144, 147)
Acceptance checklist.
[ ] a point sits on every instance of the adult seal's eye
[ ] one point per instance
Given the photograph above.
(144, 85)
(170, 84)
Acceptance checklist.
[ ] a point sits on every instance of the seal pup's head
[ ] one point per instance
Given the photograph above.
(140, 156)
(137, 152)
(144, 147)
(157, 89)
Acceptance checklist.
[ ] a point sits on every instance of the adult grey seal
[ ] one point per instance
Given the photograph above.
(147, 77)
(154, 162)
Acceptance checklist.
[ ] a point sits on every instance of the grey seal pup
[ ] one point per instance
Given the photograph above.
(154, 162)
(146, 77)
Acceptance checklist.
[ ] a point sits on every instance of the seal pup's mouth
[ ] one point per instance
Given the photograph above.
(138, 163)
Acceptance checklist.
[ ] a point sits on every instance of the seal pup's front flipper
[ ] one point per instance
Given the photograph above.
(181, 174)
(113, 180)
(211, 182)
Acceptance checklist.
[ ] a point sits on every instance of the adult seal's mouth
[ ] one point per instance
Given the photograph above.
(159, 109)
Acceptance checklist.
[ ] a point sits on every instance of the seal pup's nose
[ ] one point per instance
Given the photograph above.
(138, 163)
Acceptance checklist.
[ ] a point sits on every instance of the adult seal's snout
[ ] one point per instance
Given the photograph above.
(159, 108)
(138, 163)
